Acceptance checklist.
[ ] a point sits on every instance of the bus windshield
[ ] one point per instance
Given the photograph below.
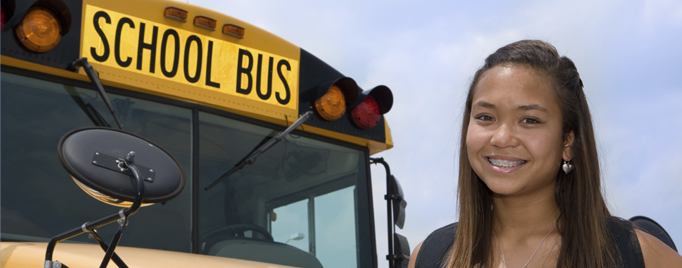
(304, 199)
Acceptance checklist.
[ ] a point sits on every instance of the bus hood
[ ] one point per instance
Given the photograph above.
(32, 255)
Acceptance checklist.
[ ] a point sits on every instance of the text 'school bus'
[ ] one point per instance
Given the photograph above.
(268, 148)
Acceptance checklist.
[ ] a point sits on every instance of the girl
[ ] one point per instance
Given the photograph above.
(529, 187)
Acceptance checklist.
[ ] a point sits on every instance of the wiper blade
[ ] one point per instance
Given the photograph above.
(83, 62)
(262, 148)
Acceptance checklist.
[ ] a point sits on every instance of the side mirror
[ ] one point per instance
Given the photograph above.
(95, 158)
(399, 203)
(398, 247)
(120, 169)
(402, 251)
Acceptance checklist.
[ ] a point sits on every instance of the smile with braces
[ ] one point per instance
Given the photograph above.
(505, 163)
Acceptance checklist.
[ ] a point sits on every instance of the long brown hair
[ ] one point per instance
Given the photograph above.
(585, 239)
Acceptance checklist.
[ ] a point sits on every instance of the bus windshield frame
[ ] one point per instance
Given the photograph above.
(324, 194)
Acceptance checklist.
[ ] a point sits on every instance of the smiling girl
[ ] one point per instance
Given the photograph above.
(529, 187)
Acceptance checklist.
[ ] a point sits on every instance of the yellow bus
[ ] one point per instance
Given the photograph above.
(273, 144)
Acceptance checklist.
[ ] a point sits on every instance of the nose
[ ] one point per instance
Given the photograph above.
(503, 137)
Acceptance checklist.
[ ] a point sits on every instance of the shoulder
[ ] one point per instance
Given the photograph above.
(432, 251)
(656, 253)
(637, 246)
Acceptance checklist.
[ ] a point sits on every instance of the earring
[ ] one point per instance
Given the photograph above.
(567, 167)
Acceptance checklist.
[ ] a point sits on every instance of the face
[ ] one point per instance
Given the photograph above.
(514, 140)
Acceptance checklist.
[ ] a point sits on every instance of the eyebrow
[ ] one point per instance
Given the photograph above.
(522, 107)
(532, 107)
(485, 104)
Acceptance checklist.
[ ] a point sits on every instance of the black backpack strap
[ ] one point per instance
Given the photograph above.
(625, 238)
(436, 246)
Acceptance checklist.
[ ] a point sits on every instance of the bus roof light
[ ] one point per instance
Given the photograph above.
(335, 96)
(332, 105)
(233, 30)
(205, 22)
(175, 14)
(376, 102)
(39, 30)
(366, 115)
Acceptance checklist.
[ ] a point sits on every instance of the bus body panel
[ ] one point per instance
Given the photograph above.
(31, 255)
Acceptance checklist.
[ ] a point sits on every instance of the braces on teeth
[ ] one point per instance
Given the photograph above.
(505, 163)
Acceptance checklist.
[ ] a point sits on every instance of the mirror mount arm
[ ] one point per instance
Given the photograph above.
(90, 227)
(388, 197)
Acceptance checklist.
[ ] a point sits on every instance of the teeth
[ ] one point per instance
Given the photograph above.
(505, 163)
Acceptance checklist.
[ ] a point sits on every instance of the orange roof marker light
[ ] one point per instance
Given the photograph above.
(233, 30)
(205, 22)
(332, 105)
(377, 102)
(39, 30)
(175, 14)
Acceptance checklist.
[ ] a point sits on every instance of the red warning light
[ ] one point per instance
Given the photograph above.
(366, 114)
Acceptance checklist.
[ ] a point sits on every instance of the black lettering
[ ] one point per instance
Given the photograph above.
(176, 57)
(269, 91)
(284, 81)
(105, 42)
(247, 71)
(188, 45)
(258, 74)
(152, 48)
(209, 61)
(117, 42)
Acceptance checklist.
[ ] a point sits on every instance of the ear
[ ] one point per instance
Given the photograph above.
(568, 145)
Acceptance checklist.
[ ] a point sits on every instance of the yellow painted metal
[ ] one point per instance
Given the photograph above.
(32, 255)
(255, 38)
(198, 65)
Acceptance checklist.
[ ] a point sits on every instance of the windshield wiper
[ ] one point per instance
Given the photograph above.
(260, 149)
(83, 62)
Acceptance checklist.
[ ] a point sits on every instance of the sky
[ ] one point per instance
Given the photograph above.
(628, 54)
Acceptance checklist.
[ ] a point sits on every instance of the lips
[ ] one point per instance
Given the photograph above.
(502, 163)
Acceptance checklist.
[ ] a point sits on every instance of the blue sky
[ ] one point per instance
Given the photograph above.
(628, 54)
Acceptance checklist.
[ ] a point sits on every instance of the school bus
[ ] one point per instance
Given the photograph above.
(273, 144)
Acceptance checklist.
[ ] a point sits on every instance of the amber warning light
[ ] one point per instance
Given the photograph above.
(39, 31)
(332, 105)
(338, 94)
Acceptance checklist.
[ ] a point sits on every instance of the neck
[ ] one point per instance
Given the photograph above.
(524, 215)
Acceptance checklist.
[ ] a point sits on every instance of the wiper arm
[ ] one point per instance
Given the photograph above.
(251, 158)
(87, 108)
(83, 62)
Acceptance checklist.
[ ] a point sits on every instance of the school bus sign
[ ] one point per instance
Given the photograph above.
(213, 68)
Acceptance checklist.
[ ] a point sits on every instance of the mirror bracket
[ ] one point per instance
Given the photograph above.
(398, 247)
(118, 164)
(121, 217)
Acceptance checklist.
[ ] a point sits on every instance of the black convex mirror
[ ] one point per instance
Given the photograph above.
(95, 159)
(399, 203)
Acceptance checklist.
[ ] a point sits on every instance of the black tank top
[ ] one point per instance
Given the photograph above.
(434, 249)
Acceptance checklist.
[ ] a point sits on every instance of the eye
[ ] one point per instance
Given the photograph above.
(484, 117)
(530, 120)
